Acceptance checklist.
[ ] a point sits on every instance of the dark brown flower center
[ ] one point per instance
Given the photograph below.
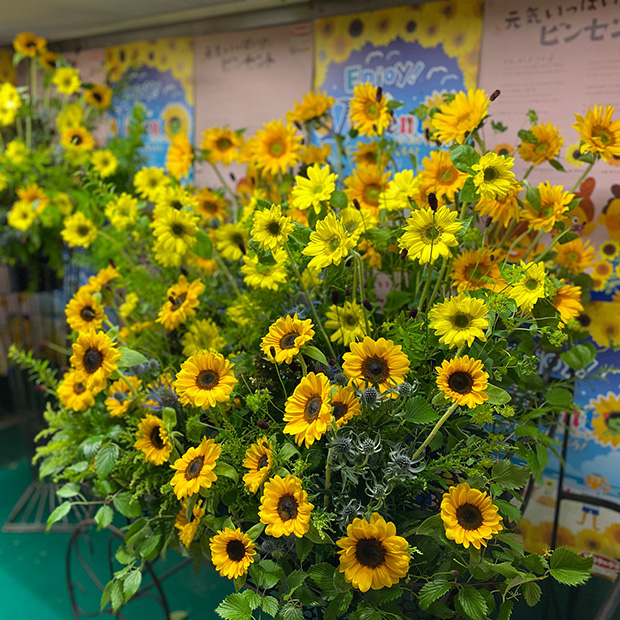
(177, 302)
(83, 231)
(78, 388)
(287, 507)
(156, 439)
(339, 410)
(263, 462)
(288, 340)
(531, 284)
(97, 96)
(235, 550)
(460, 320)
(178, 229)
(584, 320)
(194, 468)
(223, 144)
(87, 313)
(207, 379)
(490, 174)
(469, 516)
(76, 139)
(273, 228)
(276, 149)
(370, 552)
(239, 241)
(375, 369)
(312, 408)
(93, 358)
(461, 382)
(608, 249)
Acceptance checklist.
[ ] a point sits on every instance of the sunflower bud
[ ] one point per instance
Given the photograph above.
(367, 305)
(233, 178)
(403, 253)
(272, 352)
(298, 125)
(488, 221)
(331, 361)
(494, 95)
(379, 93)
(356, 204)
(262, 424)
(335, 297)
(413, 313)
(432, 201)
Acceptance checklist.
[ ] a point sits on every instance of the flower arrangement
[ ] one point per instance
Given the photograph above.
(331, 388)
(51, 170)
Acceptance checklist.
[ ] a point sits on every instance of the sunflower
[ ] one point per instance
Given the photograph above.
(312, 106)
(531, 285)
(276, 147)
(603, 270)
(286, 336)
(377, 363)
(78, 230)
(84, 312)
(312, 154)
(94, 358)
(576, 255)
(77, 139)
(202, 334)
(73, 394)
(179, 157)
(546, 146)
(345, 405)
(598, 132)
(469, 516)
(120, 395)
(610, 249)
(211, 204)
(176, 120)
(605, 420)
(271, 228)
(573, 155)
(10, 103)
(329, 243)
(174, 197)
(590, 541)
(314, 190)
(347, 321)
(430, 234)
(194, 470)
(187, 529)
(232, 552)
(122, 211)
(67, 80)
(29, 45)
(99, 96)
(21, 215)
(459, 117)
(400, 191)
(366, 153)
(205, 379)
(567, 302)
(440, 177)
(71, 116)
(231, 241)
(182, 298)
(221, 145)
(104, 163)
(369, 111)
(258, 274)
(494, 176)
(284, 507)
(174, 232)
(149, 181)
(612, 537)
(367, 186)
(357, 223)
(476, 269)
(153, 440)
(463, 381)
(372, 555)
(307, 410)
(459, 320)
(554, 204)
(259, 460)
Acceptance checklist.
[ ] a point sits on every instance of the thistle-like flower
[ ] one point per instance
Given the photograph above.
(402, 467)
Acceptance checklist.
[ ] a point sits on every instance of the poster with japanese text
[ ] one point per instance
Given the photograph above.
(559, 58)
(414, 53)
(247, 78)
(160, 75)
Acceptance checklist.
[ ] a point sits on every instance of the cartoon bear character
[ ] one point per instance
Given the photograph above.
(610, 217)
(582, 215)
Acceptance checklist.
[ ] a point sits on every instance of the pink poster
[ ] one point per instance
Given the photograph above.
(247, 78)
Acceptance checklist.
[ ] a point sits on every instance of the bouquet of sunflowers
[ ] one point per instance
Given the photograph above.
(331, 389)
(51, 171)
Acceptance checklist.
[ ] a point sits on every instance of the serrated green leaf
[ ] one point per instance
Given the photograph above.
(431, 591)
(338, 606)
(508, 510)
(132, 584)
(255, 531)
(322, 574)
(559, 397)
(468, 192)
(127, 506)
(204, 246)
(253, 598)
(496, 395)
(58, 513)
(130, 358)
(71, 489)
(294, 580)
(569, 568)
(270, 606)
(338, 200)
(463, 157)
(117, 597)
(535, 563)
(532, 593)
(105, 595)
(292, 611)
(418, 410)
(469, 602)
(440, 610)
(226, 470)
(509, 476)
(234, 607)
(505, 610)
(106, 458)
(431, 526)
(579, 356)
(104, 516)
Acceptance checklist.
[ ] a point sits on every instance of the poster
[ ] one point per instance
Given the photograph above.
(7, 70)
(414, 53)
(556, 57)
(160, 75)
(247, 78)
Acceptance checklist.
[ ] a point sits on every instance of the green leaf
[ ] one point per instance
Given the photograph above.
(322, 574)
(58, 513)
(535, 563)
(532, 195)
(469, 602)
(509, 476)
(579, 356)
(234, 607)
(496, 395)
(253, 598)
(226, 470)
(559, 397)
(418, 410)
(90, 446)
(104, 516)
(392, 104)
(292, 611)
(179, 614)
(147, 548)
(106, 459)
(431, 526)
(270, 606)
(569, 568)
(339, 200)
(116, 595)
(315, 354)
(288, 451)
(468, 191)
(508, 510)
(266, 573)
(505, 610)
(105, 595)
(203, 247)
(123, 557)
(132, 583)
(294, 580)
(463, 157)
(532, 593)
(127, 506)
(440, 610)
(431, 591)
(68, 490)
(338, 606)
(169, 417)
(255, 531)
(130, 358)
(557, 165)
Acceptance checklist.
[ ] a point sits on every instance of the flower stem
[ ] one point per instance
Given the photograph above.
(533, 244)
(435, 430)
(221, 265)
(582, 177)
(227, 188)
(442, 273)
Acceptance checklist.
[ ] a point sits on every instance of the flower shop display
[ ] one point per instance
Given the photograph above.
(329, 387)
